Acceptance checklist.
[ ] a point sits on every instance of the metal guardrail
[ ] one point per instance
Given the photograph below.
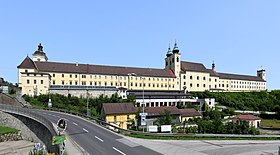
(120, 130)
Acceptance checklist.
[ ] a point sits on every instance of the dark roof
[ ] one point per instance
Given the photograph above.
(118, 108)
(158, 111)
(99, 69)
(246, 117)
(212, 73)
(192, 66)
(27, 63)
(240, 77)
(189, 112)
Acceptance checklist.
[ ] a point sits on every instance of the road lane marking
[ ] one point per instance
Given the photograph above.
(75, 123)
(119, 151)
(85, 130)
(99, 138)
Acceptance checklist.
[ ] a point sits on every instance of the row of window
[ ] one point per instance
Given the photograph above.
(198, 78)
(244, 82)
(34, 81)
(84, 83)
(34, 74)
(113, 77)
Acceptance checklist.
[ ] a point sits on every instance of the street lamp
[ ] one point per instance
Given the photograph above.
(143, 103)
(143, 116)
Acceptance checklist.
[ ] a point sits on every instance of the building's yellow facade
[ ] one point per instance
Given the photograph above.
(38, 75)
(121, 120)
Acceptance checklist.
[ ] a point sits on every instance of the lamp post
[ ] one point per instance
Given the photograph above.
(143, 103)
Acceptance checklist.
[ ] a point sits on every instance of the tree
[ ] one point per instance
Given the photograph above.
(165, 119)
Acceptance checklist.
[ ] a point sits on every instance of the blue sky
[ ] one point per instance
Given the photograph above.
(239, 35)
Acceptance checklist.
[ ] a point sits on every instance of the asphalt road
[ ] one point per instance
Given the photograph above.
(96, 140)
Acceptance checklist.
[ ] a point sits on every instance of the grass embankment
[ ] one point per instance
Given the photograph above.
(274, 123)
(6, 130)
(198, 138)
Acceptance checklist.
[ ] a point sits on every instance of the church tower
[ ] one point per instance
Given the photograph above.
(173, 60)
(261, 74)
(39, 55)
(168, 58)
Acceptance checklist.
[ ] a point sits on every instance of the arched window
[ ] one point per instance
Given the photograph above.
(177, 59)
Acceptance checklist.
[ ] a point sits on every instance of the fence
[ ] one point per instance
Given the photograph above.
(124, 131)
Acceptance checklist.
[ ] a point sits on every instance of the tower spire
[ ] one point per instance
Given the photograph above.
(175, 48)
(169, 53)
(213, 66)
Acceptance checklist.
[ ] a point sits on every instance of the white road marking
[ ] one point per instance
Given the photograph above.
(119, 151)
(98, 138)
(85, 130)
(75, 123)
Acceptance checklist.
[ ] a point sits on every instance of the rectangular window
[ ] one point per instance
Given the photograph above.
(70, 75)
(42, 81)
(35, 74)
(35, 81)
(53, 82)
(76, 83)
(27, 81)
(42, 75)
(124, 84)
(191, 77)
(84, 83)
(204, 78)
(76, 76)
(84, 76)
(70, 82)
(115, 119)
(190, 84)
(204, 85)
(53, 75)
(197, 85)
(62, 82)
(62, 75)
(90, 83)
(197, 77)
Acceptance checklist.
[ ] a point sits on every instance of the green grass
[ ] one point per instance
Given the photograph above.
(197, 138)
(5, 130)
(270, 123)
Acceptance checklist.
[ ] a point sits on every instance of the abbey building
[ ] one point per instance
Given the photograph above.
(37, 75)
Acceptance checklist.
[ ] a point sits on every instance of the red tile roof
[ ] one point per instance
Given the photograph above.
(95, 69)
(246, 117)
(240, 77)
(192, 66)
(189, 112)
(119, 108)
(27, 63)
(158, 111)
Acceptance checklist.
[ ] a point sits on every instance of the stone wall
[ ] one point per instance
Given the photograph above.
(9, 100)
(83, 93)
(10, 137)
(30, 129)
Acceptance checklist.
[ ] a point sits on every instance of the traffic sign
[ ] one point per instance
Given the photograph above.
(143, 114)
(58, 139)
(143, 120)
(61, 125)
